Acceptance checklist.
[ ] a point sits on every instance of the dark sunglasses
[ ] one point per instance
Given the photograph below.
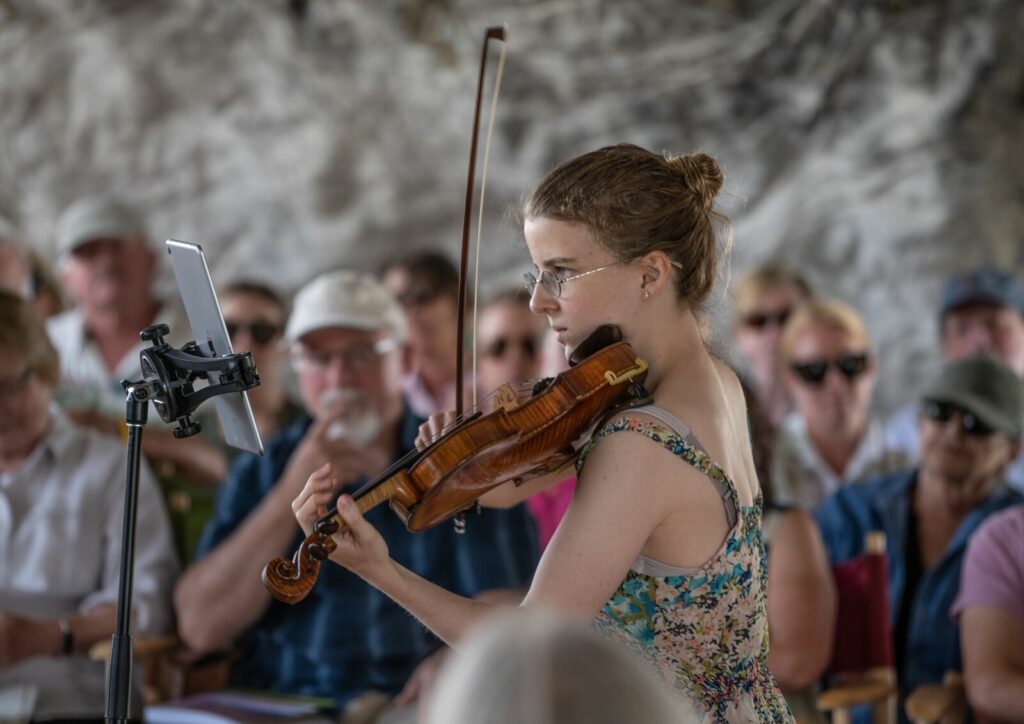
(261, 332)
(943, 412)
(760, 321)
(813, 372)
(501, 345)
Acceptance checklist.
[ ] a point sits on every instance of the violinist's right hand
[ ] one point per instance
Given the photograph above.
(434, 427)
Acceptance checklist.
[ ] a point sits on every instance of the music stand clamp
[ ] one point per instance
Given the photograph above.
(167, 381)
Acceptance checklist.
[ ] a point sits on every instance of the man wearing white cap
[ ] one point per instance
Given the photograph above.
(347, 341)
(108, 268)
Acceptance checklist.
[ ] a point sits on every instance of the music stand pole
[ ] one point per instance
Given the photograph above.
(119, 678)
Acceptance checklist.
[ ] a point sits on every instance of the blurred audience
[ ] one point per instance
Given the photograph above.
(255, 315)
(61, 511)
(47, 297)
(829, 440)
(971, 421)
(765, 298)
(426, 284)
(535, 667)
(509, 339)
(108, 268)
(982, 312)
(347, 338)
(990, 609)
(801, 591)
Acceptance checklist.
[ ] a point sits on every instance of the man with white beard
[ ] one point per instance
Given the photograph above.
(347, 341)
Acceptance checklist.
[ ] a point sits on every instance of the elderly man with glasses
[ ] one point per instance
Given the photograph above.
(347, 339)
(970, 422)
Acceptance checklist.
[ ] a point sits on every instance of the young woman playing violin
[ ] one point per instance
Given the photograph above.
(661, 545)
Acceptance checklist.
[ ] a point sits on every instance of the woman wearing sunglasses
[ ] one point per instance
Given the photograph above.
(661, 546)
(254, 316)
(830, 439)
(765, 298)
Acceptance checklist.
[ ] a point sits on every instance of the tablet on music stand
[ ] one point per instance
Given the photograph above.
(211, 336)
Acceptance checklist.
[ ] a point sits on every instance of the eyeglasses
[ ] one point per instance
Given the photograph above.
(813, 372)
(358, 358)
(944, 411)
(552, 283)
(13, 385)
(500, 346)
(759, 320)
(261, 332)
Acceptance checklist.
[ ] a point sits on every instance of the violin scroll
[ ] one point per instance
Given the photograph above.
(290, 581)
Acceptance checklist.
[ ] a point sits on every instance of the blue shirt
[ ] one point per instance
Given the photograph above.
(885, 504)
(347, 637)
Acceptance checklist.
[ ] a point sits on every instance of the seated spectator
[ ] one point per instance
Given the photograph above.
(508, 340)
(61, 512)
(108, 267)
(511, 337)
(990, 609)
(801, 590)
(47, 297)
(982, 312)
(539, 668)
(970, 429)
(765, 298)
(346, 335)
(830, 439)
(426, 284)
(254, 315)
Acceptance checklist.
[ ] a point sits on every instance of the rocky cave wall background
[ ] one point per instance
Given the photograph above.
(874, 144)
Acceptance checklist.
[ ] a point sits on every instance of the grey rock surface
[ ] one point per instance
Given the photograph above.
(875, 144)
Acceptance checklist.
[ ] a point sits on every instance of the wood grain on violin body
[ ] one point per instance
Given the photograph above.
(477, 454)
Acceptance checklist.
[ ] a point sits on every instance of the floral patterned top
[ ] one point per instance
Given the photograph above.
(705, 630)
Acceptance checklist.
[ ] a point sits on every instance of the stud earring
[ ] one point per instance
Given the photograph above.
(647, 293)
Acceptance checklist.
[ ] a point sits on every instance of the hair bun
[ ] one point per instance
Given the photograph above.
(702, 174)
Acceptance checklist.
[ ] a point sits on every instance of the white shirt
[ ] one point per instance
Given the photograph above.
(86, 383)
(901, 433)
(61, 514)
(801, 477)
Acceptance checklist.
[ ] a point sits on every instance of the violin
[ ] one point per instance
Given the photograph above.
(525, 435)
(521, 438)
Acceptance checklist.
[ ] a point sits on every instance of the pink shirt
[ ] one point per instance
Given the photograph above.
(993, 572)
(547, 508)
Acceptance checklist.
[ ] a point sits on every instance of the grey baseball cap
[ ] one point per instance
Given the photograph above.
(97, 217)
(986, 387)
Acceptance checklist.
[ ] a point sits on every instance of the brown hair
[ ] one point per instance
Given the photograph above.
(257, 289)
(635, 201)
(23, 336)
(433, 271)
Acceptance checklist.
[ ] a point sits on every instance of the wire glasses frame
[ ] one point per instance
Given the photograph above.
(552, 284)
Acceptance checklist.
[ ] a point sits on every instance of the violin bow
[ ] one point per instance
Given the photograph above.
(499, 33)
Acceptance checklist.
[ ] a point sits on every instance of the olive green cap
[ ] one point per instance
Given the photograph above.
(986, 387)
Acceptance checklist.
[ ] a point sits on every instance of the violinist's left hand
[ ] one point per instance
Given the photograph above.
(361, 549)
